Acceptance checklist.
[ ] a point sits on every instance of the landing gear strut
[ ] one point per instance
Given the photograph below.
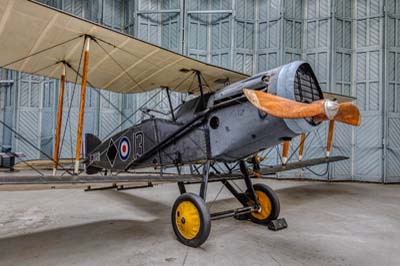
(191, 219)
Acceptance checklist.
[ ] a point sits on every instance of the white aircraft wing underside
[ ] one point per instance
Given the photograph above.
(35, 39)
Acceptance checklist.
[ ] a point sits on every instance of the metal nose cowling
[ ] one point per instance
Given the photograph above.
(297, 98)
(297, 82)
(331, 109)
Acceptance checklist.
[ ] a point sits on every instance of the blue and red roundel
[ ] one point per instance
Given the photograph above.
(124, 148)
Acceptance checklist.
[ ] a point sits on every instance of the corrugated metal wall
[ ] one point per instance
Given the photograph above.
(392, 92)
(368, 84)
(353, 46)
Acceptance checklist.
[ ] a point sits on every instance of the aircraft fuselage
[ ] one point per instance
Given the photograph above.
(222, 126)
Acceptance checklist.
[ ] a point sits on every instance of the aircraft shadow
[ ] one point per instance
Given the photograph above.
(96, 237)
(307, 192)
(145, 204)
(92, 238)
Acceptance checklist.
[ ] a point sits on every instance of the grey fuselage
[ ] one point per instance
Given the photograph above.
(222, 126)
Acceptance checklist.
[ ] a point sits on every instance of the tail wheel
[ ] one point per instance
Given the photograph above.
(191, 220)
(269, 205)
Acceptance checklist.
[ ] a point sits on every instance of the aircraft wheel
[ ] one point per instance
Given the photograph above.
(269, 203)
(191, 220)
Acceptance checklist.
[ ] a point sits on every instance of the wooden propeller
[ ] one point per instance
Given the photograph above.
(320, 110)
(330, 137)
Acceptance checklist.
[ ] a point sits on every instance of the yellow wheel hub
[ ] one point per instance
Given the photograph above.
(187, 220)
(265, 205)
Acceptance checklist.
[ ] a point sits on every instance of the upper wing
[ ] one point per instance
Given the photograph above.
(42, 36)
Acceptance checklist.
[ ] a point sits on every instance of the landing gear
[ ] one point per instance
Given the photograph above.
(268, 202)
(191, 220)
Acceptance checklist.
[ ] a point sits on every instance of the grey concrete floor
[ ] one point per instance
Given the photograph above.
(329, 224)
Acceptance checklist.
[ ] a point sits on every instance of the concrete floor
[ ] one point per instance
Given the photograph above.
(329, 224)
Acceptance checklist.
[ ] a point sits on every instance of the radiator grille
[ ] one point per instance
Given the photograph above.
(306, 87)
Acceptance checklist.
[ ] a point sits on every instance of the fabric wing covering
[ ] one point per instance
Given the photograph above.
(35, 39)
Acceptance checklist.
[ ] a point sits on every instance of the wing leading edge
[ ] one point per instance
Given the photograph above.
(299, 164)
(123, 178)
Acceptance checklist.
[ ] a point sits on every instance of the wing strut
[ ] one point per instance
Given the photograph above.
(301, 148)
(330, 137)
(82, 106)
(170, 104)
(59, 120)
(285, 151)
(198, 74)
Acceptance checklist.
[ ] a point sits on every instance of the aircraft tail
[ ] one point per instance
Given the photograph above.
(91, 144)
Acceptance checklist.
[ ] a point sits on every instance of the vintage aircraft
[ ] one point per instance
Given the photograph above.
(223, 124)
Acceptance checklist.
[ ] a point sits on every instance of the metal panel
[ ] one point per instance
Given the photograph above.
(75, 7)
(315, 148)
(317, 51)
(209, 35)
(244, 35)
(221, 26)
(3, 94)
(392, 92)
(149, 23)
(369, 91)
(341, 78)
(159, 22)
(342, 144)
(70, 120)
(268, 32)
(317, 39)
(8, 97)
(197, 36)
(129, 17)
(109, 118)
(47, 116)
(28, 116)
(112, 14)
(393, 150)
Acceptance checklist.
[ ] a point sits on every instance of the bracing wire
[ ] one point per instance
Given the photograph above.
(119, 65)
(31, 144)
(19, 135)
(41, 51)
(216, 197)
(99, 93)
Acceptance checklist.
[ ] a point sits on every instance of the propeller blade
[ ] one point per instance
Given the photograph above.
(330, 137)
(282, 107)
(320, 110)
(301, 148)
(349, 114)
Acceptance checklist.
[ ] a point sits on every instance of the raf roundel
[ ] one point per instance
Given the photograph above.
(124, 148)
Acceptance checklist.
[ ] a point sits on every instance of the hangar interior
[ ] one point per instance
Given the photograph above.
(353, 47)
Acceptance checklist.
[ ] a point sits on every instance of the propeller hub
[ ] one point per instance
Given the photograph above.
(331, 109)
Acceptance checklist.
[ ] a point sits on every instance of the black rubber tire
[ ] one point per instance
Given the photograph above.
(275, 205)
(205, 220)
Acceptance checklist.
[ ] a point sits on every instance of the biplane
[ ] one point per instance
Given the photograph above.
(230, 120)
